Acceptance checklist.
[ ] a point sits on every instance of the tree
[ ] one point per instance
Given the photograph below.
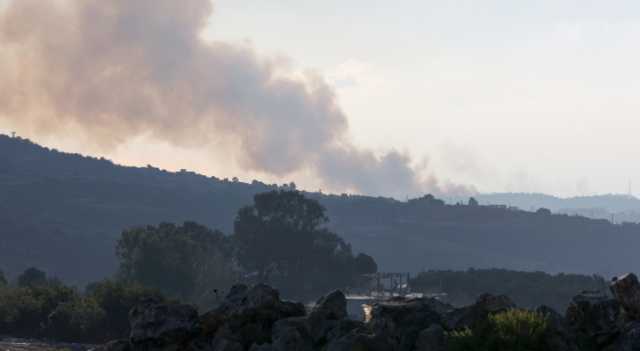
(276, 232)
(117, 298)
(544, 211)
(32, 277)
(3, 279)
(365, 264)
(473, 202)
(282, 239)
(176, 260)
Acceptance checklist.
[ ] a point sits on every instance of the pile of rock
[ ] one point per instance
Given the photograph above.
(256, 319)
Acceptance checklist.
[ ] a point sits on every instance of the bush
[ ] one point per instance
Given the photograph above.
(32, 277)
(116, 299)
(79, 320)
(513, 330)
(58, 312)
(3, 279)
(24, 310)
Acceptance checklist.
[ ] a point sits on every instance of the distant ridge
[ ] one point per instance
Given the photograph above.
(63, 212)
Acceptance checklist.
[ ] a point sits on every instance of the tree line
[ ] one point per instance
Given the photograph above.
(37, 306)
(526, 289)
(280, 240)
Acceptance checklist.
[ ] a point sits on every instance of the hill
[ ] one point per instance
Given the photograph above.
(63, 212)
(613, 207)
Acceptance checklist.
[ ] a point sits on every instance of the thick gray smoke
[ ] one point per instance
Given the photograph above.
(119, 69)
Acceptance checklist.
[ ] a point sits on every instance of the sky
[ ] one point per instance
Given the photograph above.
(498, 95)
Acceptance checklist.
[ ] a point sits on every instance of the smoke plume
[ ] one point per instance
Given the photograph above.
(119, 69)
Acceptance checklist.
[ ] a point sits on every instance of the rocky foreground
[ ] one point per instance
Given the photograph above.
(256, 319)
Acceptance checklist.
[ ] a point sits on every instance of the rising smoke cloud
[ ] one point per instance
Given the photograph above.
(119, 69)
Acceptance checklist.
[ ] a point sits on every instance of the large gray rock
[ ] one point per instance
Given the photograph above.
(432, 339)
(558, 336)
(222, 344)
(401, 320)
(357, 341)
(626, 289)
(594, 319)
(162, 326)
(332, 306)
(476, 314)
(292, 334)
(629, 339)
(247, 315)
(116, 345)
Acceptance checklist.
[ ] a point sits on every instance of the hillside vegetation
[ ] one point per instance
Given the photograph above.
(64, 212)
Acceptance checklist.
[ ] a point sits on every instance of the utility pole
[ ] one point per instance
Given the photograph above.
(13, 135)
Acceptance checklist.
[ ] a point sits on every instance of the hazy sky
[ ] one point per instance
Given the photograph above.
(531, 96)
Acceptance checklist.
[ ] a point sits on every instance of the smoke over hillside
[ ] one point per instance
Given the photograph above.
(115, 70)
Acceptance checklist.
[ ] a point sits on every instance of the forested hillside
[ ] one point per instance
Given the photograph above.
(64, 213)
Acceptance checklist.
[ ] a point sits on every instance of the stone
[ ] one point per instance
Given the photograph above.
(162, 325)
(470, 316)
(263, 347)
(292, 334)
(332, 307)
(360, 342)
(432, 339)
(594, 319)
(626, 289)
(629, 340)
(401, 320)
(247, 315)
(222, 344)
(559, 336)
(116, 345)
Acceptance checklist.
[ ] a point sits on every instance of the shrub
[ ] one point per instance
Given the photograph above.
(3, 279)
(513, 330)
(32, 277)
(24, 310)
(117, 299)
(79, 320)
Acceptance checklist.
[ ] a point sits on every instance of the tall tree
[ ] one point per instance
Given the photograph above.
(282, 238)
(32, 277)
(176, 260)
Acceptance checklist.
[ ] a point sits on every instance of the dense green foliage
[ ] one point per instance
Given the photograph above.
(3, 279)
(513, 330)
(187, 262)
(527, 289)
(32, 277)
(283, 239)
(280, 240)
(61, 209)
(52, 310)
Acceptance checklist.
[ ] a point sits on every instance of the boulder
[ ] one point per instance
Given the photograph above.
(432, 339)
(331, 307)
(292, 334)
(357, 341)
(594, 319)
(222, 344)
(116, 345)
(626, 289)
(325, 315)
(558, 336)
(476, 314)
(263, 347)
(165, 326)
(247, 315)
(629, 339)
(401, 320)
